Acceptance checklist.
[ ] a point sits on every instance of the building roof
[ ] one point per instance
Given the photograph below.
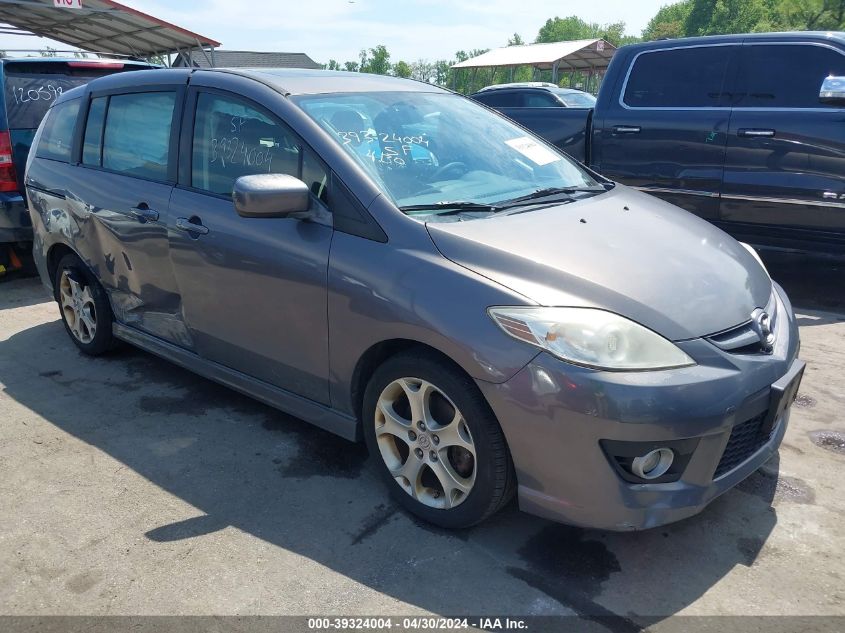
(244, 59)
(575, 55)
(103, 26)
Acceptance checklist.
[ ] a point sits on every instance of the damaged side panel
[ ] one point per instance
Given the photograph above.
(111, 221)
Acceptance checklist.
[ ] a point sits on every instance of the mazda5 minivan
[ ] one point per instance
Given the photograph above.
(394, 262)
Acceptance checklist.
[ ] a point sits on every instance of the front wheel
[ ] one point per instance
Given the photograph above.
(438, 445)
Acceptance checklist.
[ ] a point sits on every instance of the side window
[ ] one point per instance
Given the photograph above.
(315, 175)
(540, 99)
(93, 141)
(233, 139)
(136, 140)
(679, 78)
(785, 76)
(502, 99)
(57, 136)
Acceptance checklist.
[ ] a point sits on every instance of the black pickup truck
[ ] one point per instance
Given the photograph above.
(747, 131)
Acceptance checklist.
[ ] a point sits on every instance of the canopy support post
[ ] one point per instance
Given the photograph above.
(554, 71)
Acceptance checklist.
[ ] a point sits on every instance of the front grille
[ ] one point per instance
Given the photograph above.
(746, 338)
(746, 439)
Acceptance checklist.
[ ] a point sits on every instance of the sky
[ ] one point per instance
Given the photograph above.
(339, 29)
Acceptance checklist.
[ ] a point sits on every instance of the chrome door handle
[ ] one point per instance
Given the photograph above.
(184, 224)
(143, 213)
(755, 133)
(627, 129)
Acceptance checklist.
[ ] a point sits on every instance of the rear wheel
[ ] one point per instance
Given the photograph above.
(84, 306)
(438, 444)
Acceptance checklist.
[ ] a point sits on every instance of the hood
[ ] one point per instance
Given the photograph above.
(622, 251)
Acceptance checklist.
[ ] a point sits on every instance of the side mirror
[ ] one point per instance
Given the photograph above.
(833, 90)
(270, 196)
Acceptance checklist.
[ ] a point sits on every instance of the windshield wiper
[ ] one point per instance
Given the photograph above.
(447, 208)
(547, 193)
(450, 207)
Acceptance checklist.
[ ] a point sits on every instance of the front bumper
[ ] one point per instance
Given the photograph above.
(15, 224)
(555, 416)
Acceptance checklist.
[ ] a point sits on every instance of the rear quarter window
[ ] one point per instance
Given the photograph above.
(57, 136)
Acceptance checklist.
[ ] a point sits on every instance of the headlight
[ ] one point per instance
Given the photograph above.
(590, 337)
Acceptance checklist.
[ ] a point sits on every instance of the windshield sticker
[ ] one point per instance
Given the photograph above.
(533, 151)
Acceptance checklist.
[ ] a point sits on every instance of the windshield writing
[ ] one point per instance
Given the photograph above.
(430, 149)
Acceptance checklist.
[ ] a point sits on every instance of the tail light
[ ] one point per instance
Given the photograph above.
(95, 64)
(8, 178)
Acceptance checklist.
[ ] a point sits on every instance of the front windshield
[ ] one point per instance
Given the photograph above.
(577, 99)
(434, 149)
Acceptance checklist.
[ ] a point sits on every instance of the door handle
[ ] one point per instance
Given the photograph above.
(626, 129)
(143, 213)
(184, 224)
(755, 133)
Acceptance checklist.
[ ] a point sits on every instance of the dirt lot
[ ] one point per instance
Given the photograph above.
(129, 486)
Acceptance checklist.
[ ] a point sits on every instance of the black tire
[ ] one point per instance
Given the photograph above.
(102, 341)
(495, 481)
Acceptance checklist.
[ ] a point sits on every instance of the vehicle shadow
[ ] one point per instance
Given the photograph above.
(17, 292)
(242, 464)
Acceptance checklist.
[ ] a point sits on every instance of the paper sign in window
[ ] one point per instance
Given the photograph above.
(532, 150)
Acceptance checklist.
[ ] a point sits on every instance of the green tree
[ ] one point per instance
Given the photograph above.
(669, 22)
(332, 65)
(712, 17)
(822, 15)
(468, 80)
(443, 72)
(48, 51)
(378, 61)
(423, 70)
(574, 28)
(351, 67)
(516, 40)
(402, 69)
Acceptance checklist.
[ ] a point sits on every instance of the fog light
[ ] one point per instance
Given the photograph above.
(653, 464)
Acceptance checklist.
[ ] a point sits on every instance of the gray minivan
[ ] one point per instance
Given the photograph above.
(394, 262)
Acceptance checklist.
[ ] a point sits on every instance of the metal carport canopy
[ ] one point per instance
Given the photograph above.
(575, 55)
(102, 26)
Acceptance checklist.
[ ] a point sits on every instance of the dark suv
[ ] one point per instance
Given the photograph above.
(533, 94)
(28, 86)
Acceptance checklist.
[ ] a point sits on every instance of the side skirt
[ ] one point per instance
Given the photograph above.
(322, 416)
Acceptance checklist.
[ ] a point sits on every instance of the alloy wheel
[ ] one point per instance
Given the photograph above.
(78, 308)
(425, 442)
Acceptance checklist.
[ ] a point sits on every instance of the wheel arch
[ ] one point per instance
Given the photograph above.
(54, 256)
(376, 355)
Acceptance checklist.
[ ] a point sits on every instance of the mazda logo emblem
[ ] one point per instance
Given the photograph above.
(761, 322)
